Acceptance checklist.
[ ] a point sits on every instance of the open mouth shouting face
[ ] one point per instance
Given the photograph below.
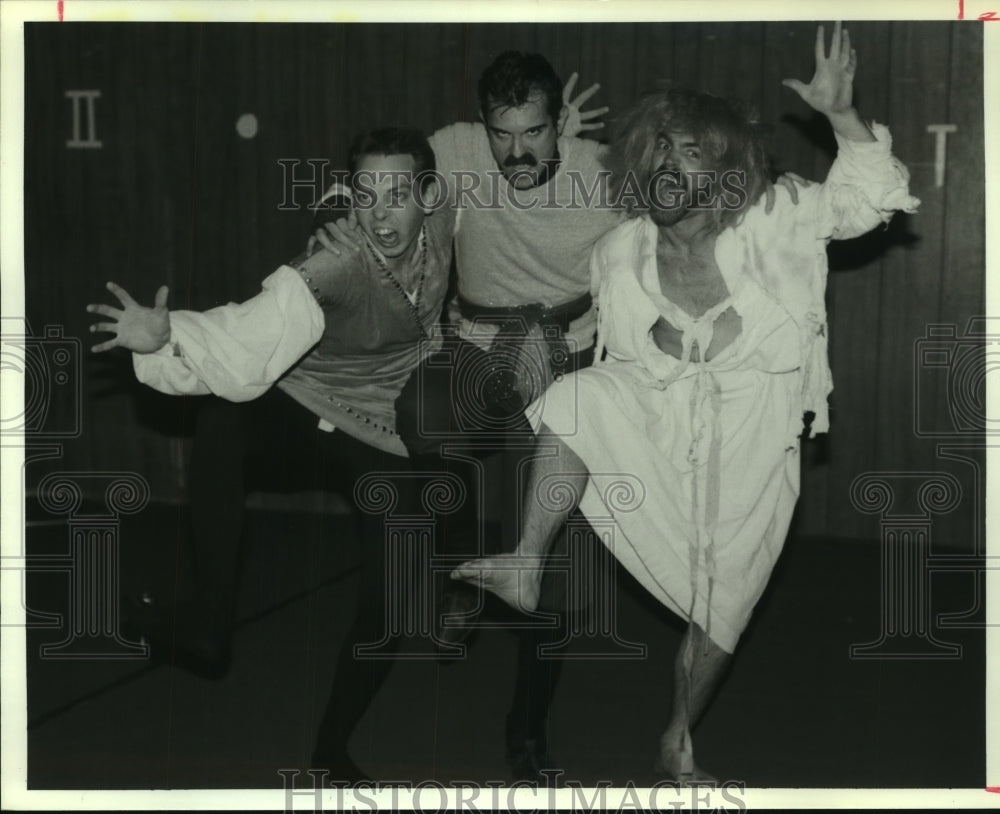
(676, 156)
(388, 210)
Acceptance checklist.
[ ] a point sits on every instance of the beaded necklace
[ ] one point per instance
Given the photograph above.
(412, 304)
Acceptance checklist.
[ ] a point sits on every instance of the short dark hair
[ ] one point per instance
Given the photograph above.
(725, 129)
(514, 77)
(395, 141)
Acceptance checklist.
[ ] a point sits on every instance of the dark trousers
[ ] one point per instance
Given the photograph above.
(276, 442)
(442, 413)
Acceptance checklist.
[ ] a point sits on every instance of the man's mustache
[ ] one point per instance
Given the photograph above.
(520, 160)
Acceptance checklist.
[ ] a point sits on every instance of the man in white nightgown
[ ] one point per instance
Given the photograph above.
(713, 320)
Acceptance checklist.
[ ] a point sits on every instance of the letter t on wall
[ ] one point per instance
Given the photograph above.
(941, 131)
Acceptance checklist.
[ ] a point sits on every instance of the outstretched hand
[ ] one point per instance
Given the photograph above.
(136, 328)
(577, 121)
(831, 89)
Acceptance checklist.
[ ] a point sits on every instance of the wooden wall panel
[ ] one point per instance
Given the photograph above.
(730, 59)
(962, 293)
(920, 65)
(175, 195)
(685, 54)
(963, 281)
(854, 304)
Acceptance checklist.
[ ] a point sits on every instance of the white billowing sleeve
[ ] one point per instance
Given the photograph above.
(236, 351)
(866, 184)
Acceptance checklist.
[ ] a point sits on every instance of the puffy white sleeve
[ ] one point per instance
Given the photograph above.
(864, 187)
(236, 351)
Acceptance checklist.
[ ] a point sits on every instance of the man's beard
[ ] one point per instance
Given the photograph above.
(667, 217)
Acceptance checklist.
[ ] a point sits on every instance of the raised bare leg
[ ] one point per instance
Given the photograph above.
(698, 668)
(555, 486)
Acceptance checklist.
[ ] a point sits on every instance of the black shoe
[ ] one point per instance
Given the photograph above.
(177, 636)
(457, 612)
(529, 761)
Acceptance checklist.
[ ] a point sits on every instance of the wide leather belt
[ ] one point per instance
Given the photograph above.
(529, 315)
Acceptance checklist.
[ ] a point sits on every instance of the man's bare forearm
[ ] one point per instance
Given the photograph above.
(850, 125)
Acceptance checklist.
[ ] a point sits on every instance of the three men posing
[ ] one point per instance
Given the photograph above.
(714, 328)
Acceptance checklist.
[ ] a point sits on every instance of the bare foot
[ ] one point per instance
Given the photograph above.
(515, 578)
(679, 765)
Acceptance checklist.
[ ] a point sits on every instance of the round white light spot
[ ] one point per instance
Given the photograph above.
(246, 125)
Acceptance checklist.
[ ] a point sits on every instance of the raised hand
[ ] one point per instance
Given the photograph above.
(577, 121)
(831, 89)
(136, 328)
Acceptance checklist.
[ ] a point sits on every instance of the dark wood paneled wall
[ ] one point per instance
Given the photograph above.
(175, 195)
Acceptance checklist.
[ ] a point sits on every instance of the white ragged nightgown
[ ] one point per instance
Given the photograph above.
(715, 443)
(712, 444)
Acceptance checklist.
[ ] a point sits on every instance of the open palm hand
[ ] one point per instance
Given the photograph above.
(831, 89)
(136, 328)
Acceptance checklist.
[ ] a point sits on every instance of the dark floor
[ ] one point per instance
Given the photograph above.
(796, 710)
